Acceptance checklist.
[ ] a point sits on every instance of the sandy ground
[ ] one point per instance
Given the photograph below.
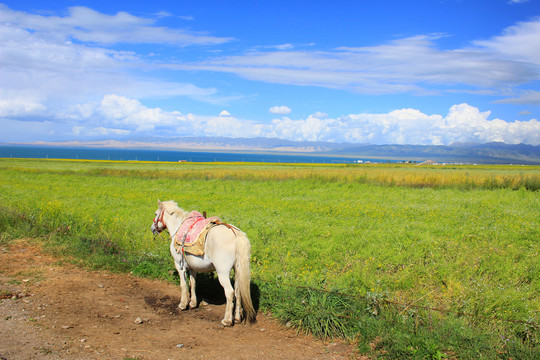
(53, 310)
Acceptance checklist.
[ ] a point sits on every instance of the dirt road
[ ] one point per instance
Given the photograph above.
(54, 310)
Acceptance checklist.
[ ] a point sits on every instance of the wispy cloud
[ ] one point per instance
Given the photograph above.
(528, 97)
(281, 110)
(87, 25)
(409, 65)
(519, 43)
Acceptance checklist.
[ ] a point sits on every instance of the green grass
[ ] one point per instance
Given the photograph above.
(461, 239)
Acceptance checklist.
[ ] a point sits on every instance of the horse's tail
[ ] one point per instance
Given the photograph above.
(243, 275)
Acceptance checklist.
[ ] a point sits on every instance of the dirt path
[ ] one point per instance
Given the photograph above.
(50, 310)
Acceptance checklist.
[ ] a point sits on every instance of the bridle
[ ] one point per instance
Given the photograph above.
(159, 219)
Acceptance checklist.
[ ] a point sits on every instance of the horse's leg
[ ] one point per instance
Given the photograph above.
(238, 305)
(192, 277)
(184, 297)
(225, 281)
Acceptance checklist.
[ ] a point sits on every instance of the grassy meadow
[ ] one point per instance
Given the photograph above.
(357, 251)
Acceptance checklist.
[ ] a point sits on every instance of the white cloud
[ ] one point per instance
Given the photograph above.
(122, 116)
(118, 117)
(225, 126)
(523, 98)
(281, 47)
(40, 67)
(405, 126)
(310, 129)
(320, 114)
(518, 43)
(414, 64)
(99, 132)
(19, 106)
(463, 123)
(281, 110)
(87, 25)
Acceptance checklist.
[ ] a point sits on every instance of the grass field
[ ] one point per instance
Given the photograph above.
(336, 248)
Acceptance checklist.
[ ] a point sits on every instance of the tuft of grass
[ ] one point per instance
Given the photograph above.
(389, 332)
(16, 225)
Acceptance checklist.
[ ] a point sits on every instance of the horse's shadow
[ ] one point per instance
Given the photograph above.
(210, 290)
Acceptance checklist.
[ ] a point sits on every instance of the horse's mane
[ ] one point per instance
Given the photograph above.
(172, 208)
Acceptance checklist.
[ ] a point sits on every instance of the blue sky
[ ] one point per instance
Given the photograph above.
(379, 72)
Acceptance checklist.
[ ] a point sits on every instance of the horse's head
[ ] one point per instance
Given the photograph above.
(159, 225)
(168, 216)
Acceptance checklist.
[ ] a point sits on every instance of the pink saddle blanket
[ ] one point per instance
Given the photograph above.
(193, 227)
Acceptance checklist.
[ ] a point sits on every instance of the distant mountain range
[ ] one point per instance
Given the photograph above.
(489, 153)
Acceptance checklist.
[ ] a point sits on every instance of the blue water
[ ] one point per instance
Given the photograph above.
(160, 155)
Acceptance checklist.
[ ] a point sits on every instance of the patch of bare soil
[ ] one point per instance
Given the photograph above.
(53, 310)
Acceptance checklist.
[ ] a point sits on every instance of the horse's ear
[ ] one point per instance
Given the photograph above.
(159, 203)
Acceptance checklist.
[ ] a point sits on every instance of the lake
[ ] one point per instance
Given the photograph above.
(49, 152)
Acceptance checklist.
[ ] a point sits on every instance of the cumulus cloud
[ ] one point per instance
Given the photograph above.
(121, 117)
(118, 115)
(310, 129)
(462, 123)
(18, 106)
(282, 110)
(225, 126)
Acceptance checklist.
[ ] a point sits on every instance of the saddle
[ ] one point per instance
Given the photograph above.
(191, 236)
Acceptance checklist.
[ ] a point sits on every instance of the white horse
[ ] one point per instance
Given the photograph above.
(224, 249)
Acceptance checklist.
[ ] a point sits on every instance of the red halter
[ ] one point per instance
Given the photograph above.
(159, 219)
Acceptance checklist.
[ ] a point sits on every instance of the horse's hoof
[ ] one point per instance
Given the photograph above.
(226, 323)
(182, 307)
(193, 305)
(237, 320)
